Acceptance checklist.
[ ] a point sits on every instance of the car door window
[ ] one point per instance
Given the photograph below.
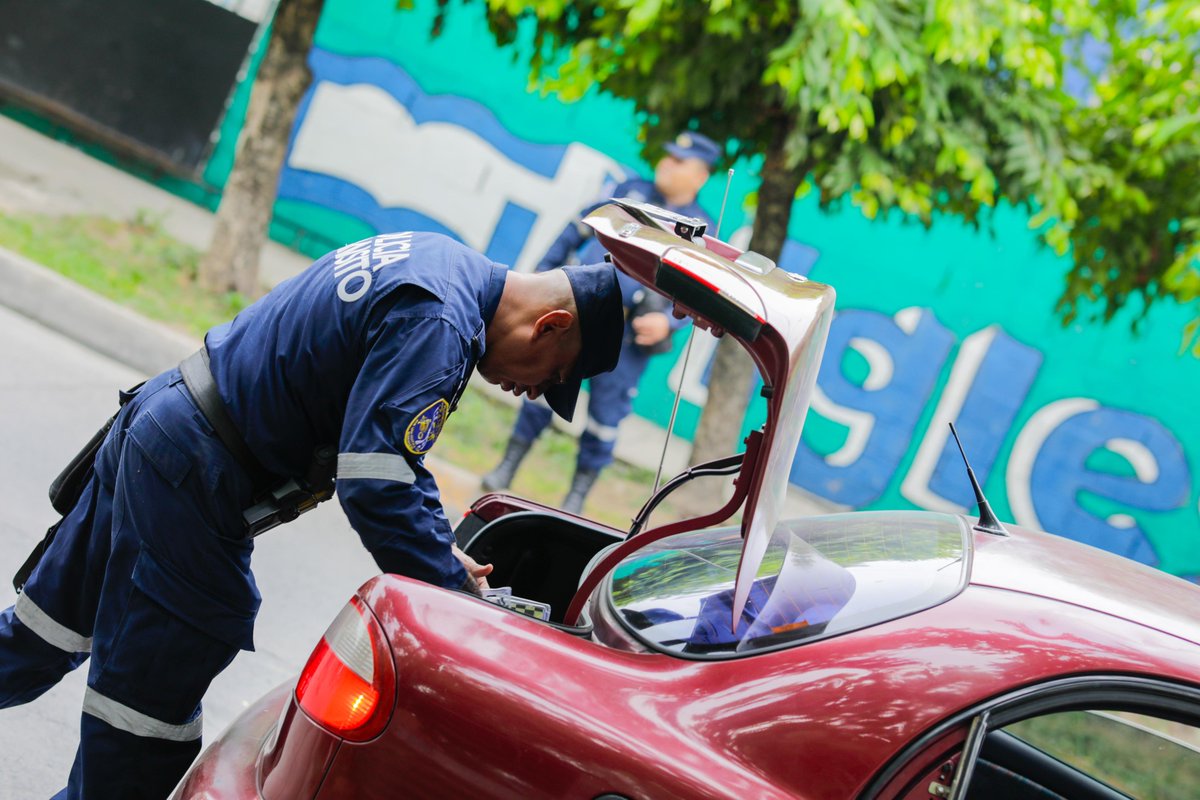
(1140, 756)
(1081, 737)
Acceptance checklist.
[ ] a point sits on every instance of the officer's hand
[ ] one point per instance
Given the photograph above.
(650, 329)
(476, 570)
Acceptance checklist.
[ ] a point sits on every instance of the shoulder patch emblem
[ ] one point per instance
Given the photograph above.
(423, 431)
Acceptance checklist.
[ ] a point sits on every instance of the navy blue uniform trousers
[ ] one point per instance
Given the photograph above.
(610, 399)
(149, 576)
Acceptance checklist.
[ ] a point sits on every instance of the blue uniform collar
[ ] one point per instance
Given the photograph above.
(491, 295)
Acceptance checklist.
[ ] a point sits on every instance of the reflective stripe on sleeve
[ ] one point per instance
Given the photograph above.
(605, 433)
(124, 718)
(380, 466)
(52, 632)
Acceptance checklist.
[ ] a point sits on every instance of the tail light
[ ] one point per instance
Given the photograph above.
(348, 685)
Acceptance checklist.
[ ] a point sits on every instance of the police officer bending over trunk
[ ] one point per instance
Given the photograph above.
(360, 359)
(678, 177)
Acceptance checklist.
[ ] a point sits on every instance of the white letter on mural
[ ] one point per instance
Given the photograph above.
(915, 486)
(860, 423)
(1025, 451)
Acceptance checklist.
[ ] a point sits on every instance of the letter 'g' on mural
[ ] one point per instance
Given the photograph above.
(1055, 485)
(905, 355)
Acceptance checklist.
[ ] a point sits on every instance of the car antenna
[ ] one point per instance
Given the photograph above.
(988, 523)
(687, 353)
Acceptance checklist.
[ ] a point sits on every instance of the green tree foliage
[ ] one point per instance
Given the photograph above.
(931, 108)
(1129, 212)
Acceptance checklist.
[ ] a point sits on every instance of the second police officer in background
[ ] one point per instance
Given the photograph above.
(678, 177)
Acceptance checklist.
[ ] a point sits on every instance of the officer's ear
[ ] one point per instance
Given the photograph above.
(553, 324)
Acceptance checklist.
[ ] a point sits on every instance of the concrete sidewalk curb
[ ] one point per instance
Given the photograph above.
(64, 306)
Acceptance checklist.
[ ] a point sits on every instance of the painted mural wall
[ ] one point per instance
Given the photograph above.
(1086, 431)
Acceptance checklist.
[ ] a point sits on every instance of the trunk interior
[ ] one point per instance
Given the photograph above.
(541, 556)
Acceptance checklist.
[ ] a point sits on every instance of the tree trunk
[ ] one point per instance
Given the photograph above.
(231, 263)
(733, 370)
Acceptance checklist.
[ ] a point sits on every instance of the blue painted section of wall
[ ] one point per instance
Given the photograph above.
(1061, 476)
(999, 390)
(337, 194)
(510, 234)
(916, 359)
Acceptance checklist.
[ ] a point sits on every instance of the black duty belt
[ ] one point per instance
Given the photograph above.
(197, 376)
(276, 500)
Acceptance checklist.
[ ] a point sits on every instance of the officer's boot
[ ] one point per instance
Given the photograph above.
(581, 484)
(501, 477)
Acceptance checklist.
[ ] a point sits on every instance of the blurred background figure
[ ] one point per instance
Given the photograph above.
(678, 177)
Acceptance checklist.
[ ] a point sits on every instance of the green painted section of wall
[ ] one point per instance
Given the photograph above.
(324, 229)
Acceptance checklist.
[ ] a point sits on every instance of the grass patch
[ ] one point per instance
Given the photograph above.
(475, 438)
(136, 263)
(1115, 750)
(133, 262)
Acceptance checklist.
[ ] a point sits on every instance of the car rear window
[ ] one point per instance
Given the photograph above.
(821, 576)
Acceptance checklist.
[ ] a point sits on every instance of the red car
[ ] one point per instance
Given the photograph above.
(875, 654)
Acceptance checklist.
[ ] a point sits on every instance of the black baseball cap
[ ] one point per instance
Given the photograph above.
(601, 328)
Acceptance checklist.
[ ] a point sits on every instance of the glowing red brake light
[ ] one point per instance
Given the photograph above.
(348, 685)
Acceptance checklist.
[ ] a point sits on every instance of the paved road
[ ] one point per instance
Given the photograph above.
(53, 394)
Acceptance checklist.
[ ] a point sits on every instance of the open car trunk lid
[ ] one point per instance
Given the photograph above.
(781, 319)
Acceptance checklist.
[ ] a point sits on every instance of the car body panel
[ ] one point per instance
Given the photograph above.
(296, 758)
(530, 710)
(1052, 566)
(226, 768)
(499, 704)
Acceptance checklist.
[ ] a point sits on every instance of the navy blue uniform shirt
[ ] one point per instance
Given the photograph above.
(368, 348)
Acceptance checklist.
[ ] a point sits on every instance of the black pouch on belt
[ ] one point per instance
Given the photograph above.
(66, 489)
(288, 500)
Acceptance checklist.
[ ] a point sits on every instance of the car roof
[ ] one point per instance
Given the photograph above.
(1044, 565)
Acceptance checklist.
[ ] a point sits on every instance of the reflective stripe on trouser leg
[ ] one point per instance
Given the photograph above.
(51, 632)
(596, 446)
(47, 632)
(130, 720)
(29, 665)
(142, 720)
(605, 433)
